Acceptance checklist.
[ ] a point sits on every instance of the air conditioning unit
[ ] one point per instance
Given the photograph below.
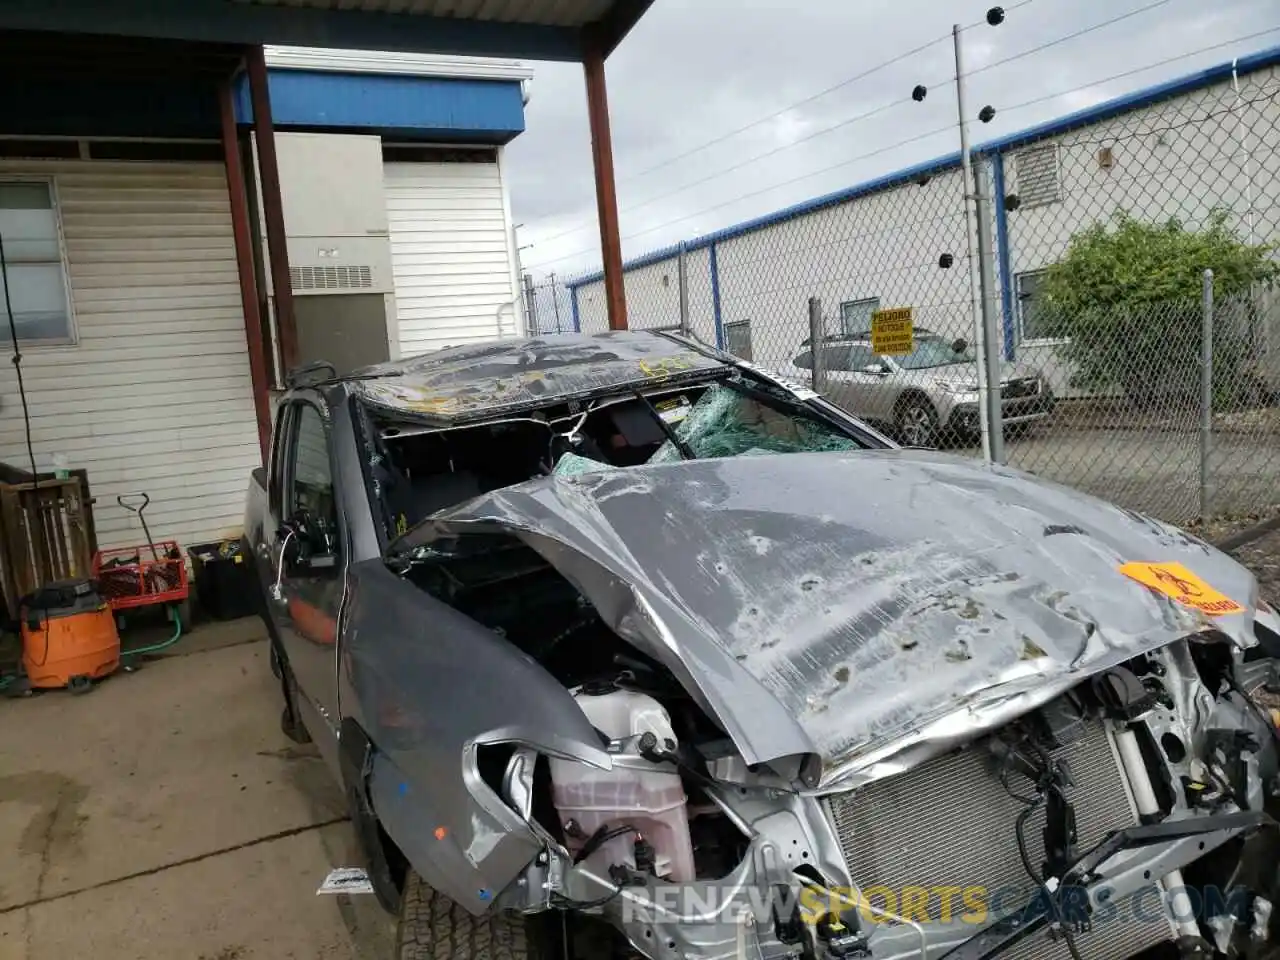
(336, 231)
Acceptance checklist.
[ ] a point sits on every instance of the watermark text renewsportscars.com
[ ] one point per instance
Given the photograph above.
(974, 905)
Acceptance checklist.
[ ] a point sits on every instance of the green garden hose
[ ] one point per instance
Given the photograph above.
(155, 647)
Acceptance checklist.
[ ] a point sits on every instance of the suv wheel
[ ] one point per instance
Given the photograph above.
(433, 927)
(917, 423)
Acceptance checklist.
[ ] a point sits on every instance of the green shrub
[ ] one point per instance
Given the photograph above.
(1127, 297)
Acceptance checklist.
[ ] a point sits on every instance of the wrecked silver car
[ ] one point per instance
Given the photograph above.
(620, 631)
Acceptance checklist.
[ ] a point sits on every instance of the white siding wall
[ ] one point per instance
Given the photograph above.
(885, 245)
(653, 298)
(156, 394)
(450, 254)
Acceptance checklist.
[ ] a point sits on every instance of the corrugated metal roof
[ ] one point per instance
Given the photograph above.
(550, 13)
(528, 29)
(397, 64)
(1103, 111)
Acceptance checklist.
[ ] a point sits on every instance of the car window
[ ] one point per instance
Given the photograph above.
(847, 357)
(804, 360)
(310, 500)
(279, 458)
(936, 352)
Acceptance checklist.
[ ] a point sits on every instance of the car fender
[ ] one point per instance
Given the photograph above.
(428, 688)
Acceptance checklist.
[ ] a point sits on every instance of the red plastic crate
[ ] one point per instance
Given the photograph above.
(133, 577)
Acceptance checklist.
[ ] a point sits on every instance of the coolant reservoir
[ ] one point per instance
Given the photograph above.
(646, 796)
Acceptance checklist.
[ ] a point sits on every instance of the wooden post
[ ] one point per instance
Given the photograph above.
(272, 207)
(242, 227)
(606, 189)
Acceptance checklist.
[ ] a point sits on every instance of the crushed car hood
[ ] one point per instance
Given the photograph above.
(869, 609)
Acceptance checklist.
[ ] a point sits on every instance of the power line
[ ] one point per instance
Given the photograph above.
(785, 110)
(916, 138)
(1064, 39)
(866, 115)
(1130, 73)
(758, 122)
(756, 193)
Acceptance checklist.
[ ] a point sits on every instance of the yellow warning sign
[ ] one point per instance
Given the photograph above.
(1175, 580)
(893, 331)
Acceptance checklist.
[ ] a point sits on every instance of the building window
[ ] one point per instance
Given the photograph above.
(1039, 181)
(855, 316)
(1032, 318)
(737, 339)
(33, 264)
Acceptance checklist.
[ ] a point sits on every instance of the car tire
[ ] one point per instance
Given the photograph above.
(433, 927)
(917, 423)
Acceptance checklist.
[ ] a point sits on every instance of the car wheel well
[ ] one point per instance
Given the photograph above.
(388, 867)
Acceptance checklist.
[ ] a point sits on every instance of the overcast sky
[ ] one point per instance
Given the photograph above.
(694, 70)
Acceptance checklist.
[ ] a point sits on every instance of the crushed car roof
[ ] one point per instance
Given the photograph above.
(482, 380)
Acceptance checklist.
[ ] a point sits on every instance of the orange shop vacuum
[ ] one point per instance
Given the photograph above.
(69, 636)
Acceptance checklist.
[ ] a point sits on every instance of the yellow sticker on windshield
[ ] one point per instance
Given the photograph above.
(1175, 580)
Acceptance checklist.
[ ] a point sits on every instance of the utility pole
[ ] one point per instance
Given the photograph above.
(981, 279)
(531, 306)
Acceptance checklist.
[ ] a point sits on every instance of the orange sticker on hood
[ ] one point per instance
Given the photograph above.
(1175, 580)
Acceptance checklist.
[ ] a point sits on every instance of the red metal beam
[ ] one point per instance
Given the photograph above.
(272, 207)
(241, 227)
(606, 190)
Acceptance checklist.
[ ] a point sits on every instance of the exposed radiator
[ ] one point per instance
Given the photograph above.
(949, 822)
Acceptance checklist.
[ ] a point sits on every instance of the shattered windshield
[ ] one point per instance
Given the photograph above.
(728, 422)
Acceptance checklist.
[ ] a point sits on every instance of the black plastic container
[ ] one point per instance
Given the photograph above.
(224, 581)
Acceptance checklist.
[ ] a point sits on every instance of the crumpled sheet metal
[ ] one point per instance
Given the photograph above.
(487, 379)
(892, 603)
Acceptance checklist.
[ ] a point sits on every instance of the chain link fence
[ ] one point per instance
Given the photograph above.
(548, 306)
(1101, 234)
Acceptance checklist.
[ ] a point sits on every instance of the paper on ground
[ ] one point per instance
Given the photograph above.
(346, 880)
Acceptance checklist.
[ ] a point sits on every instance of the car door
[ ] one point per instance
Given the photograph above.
(308, 562)
(882, 389)
(847, 382)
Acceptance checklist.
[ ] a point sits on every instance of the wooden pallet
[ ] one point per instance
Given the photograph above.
(46, 534)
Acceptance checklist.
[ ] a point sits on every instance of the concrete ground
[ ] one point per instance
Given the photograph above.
(165, 815)
(1157, 472)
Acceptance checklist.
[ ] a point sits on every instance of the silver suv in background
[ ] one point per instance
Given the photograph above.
(926, 395)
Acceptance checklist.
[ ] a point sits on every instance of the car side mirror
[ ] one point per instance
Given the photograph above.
(875, 369)
(303, 548)
(959, 345)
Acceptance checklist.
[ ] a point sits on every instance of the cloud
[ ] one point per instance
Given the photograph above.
(694, 70)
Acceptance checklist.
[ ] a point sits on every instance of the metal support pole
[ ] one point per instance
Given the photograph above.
(606, 189)
(531, 307)
(1206, 390)
(683, 269)
(971, 192)
(992, 341)
(272, 207)
(817, 337)
(242, 234)
(555, 302)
